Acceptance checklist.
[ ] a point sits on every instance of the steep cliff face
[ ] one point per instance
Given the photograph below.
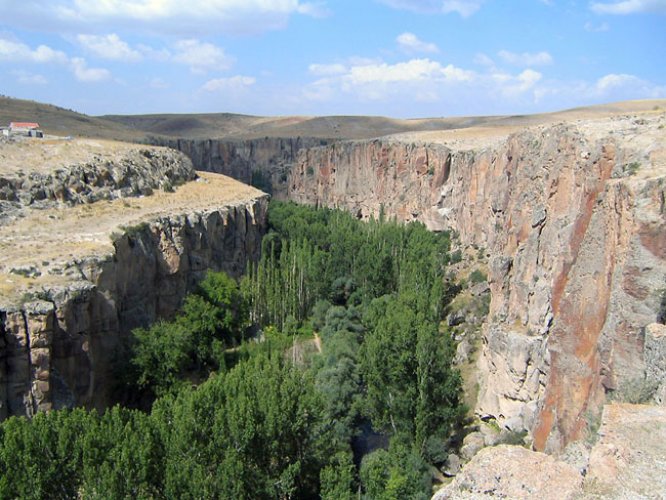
(573, 219)
(364, 176)
(269, 159)
(58, 347)
(90, 248)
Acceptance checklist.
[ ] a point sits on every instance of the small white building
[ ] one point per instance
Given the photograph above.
(31, 129)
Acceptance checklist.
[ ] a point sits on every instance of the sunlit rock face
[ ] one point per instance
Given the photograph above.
(572, 217)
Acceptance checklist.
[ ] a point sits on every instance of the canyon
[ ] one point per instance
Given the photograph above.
(566, 212)
(569, 212)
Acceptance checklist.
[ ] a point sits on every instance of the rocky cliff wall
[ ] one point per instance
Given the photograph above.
(269, 159)
(56, 349)
(572, 217)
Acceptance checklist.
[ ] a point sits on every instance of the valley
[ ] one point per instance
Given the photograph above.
(564, 212)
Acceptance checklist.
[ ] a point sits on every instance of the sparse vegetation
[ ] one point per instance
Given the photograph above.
(635, 391)
(593, 421)
(477, 276)
(632, 168)
(135, 230)
(456, 256)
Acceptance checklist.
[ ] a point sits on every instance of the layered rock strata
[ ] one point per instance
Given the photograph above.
(76, 278)
(572, 217)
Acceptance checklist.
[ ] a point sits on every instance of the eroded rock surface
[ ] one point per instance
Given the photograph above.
(44, 173)
(629, 460)
(76, 278)
(513, 472)
(573, 218)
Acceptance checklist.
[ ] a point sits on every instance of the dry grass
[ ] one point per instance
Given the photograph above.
(37, 155)
(61, 235)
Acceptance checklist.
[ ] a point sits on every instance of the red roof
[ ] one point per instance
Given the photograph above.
(23, 125)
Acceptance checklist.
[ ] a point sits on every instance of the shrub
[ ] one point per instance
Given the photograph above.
(477, 276)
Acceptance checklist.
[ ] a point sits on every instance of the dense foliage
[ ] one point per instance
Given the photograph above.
(234, 417)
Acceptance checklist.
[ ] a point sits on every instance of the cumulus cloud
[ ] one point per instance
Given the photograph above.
(420, 79)
(14, 51)
(201, 56)
(464, 8)
(410, 43)
(629, 7)
(108, 47)
(327, 69)
(525, 58)
(409, 71)
(190, 18)
(234, 83)
(610, 87)
(11, 50)
(88, 75)
(424, 82)
(631, 86)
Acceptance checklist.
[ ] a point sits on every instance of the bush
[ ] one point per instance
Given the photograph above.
(477, 276)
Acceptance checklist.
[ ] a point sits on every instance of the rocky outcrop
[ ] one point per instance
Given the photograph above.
(264, 162)
(573, 219)
(513, 472)
(57, 342)
(137, 172)
(628, 459)
(625, 461)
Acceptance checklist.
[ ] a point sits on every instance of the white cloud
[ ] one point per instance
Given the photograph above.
(624, 86)
(410, 43)
(412, 70)
(231, 84)
(463, 7)
(25, 78)
(327, 69)
(610, 87)
(177, 17)
(318, 10)
(201, 56)
(629, 7)
(417, 81)
(88, 75)
(371, 80)
(527, 79)
(108, 47)
(11, 50)
(526, 58)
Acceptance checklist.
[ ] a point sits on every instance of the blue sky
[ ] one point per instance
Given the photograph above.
(401, 58)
